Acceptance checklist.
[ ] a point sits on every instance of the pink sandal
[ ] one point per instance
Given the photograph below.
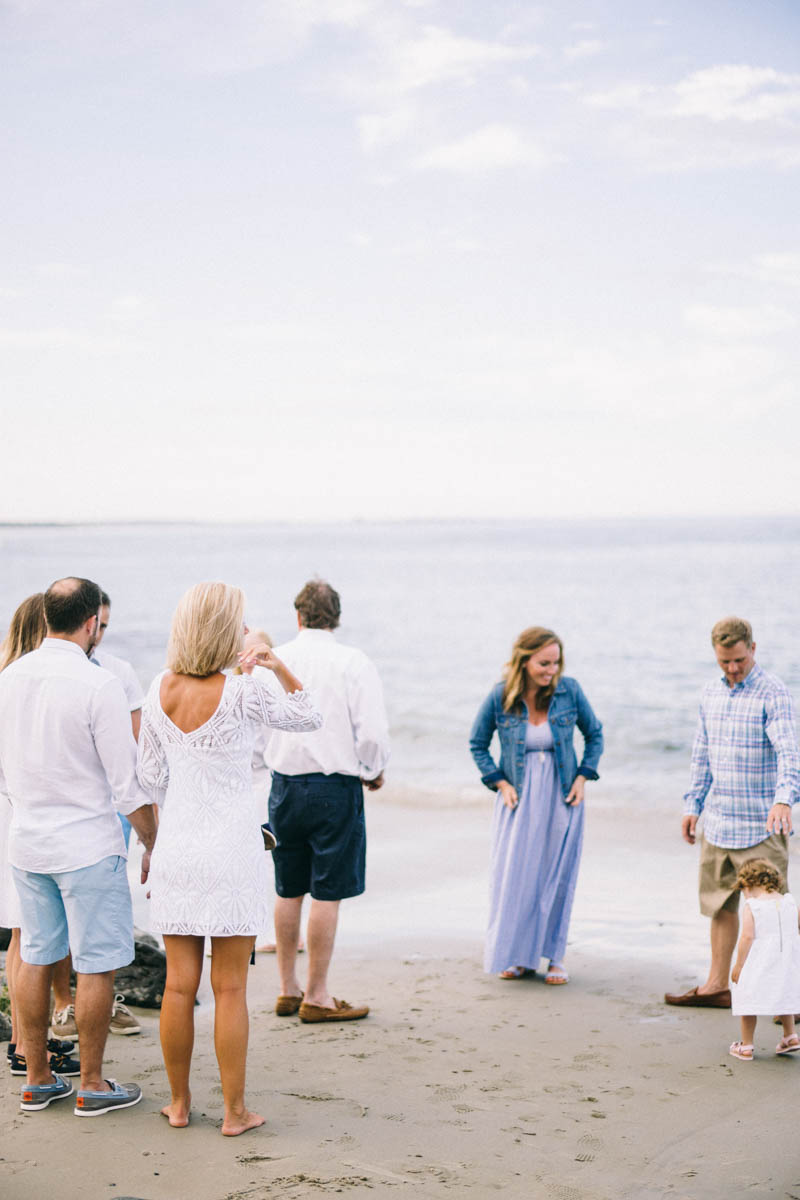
(742, 1050)
(788, 1045)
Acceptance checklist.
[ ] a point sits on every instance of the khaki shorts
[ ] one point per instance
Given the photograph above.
(719, 868)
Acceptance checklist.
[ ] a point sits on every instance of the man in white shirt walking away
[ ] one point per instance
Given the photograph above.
(66, 748)
(316, 804)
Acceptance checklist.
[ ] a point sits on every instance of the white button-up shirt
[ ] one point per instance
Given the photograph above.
(354, 738)
(124, 673)
(65, 743)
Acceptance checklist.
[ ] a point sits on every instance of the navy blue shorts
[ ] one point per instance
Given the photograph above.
(322, 839)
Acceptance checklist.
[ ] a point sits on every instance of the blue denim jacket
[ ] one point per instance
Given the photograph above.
(568, 708)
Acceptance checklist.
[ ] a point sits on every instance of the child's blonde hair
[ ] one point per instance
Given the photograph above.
(757, 872)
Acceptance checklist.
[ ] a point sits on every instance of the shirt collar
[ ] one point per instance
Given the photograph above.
(60, 646)
(314, 633)
(752, 676)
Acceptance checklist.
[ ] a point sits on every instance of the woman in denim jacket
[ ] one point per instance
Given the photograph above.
(538, 818)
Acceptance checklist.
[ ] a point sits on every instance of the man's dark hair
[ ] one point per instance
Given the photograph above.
(318, 605)
(69, 603)
(105, 599)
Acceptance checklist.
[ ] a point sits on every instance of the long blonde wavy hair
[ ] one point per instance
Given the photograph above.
(207, 630)
(26, 631)
(529, 641)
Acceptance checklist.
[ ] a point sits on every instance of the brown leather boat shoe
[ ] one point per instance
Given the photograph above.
(342, 1011)
(696, 999)
(287, 1006)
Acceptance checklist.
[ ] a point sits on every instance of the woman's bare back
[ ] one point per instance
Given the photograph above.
(190, 701)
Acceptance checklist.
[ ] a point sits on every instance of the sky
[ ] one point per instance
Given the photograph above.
(386, 259)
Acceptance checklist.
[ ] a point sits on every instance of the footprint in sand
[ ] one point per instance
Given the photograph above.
(450, 1093)
(588, 1148)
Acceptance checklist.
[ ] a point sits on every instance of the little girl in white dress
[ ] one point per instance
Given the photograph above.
(766, 975)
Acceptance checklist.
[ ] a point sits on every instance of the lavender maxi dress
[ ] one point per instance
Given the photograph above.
(536, 851)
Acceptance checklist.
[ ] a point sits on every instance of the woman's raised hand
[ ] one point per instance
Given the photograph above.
(260, 655)
(508, 793)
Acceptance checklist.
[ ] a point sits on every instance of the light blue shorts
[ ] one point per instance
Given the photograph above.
(87, 911)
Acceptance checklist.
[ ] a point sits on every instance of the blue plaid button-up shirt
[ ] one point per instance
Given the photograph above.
(745, 758)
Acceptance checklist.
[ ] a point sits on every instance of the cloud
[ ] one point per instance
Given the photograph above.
(721, 117)
(781, 268)
(720, 93)
(777, 269)
(130, 307)
(437, 56)
(729, 323)
(738, 93)
(376, 130)
(490, 148)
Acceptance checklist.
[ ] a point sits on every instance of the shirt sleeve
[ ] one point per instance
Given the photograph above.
(293, 711)
(780, 730)
(700, 778)
(480, 739)
(368, 719)
(152, 767)
(116, 749)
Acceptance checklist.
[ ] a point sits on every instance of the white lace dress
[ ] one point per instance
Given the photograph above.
(209, 871)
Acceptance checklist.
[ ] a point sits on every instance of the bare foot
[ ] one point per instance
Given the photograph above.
(271, 948)
(233, 1126)
(178, 1113)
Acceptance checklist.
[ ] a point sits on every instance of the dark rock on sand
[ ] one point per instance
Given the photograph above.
(142, 982)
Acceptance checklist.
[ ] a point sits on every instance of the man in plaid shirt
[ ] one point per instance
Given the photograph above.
(745, 778)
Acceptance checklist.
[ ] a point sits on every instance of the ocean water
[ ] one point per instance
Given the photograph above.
(437, 606)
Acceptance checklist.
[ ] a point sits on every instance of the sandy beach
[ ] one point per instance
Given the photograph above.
(459, 1082)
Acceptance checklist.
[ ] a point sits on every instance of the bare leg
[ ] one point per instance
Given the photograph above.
(12, 967)
(229, 963)
(94, 996)
(287, 934)
(61, 989)
(33, 1014)
(788, 1025)
(321, 934)
(184, 968)
(748, 1030)
(724, 932)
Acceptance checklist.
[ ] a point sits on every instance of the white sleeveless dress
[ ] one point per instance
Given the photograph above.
(209, 873)
(769, 983)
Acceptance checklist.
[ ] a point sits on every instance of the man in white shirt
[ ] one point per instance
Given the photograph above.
(316, 802)
(123, 670)
(66, 748)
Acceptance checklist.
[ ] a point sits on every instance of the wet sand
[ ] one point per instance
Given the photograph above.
(459, 1082)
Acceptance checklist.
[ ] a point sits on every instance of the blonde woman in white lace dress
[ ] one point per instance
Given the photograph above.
(208, 875)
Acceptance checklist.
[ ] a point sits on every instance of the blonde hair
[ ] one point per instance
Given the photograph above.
(207, 629)
(757, 872)
(730, 631)
(26, 631)
(529, 641)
